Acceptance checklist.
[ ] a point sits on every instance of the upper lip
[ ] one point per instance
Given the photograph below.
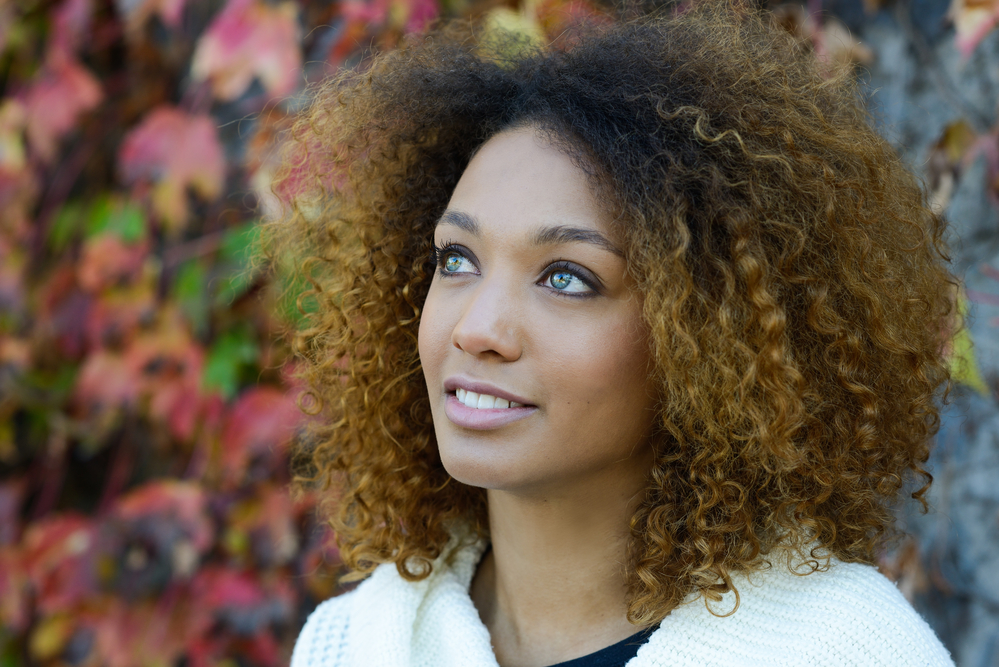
(479, 387)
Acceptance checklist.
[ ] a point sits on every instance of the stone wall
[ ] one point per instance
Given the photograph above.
(919, 85)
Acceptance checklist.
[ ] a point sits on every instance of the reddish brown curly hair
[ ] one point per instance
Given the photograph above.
(794, 280)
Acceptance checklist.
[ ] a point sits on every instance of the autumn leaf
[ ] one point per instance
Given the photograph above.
(107, 260)
(247, 604)
(54, 101)
(835, 44)
(170, 364)
(250, 38)
(973, 19)
(59, 556)
(117, 314)
(152, 633)
(14, 609)
(183, 502)
(173, 151)
(13, 120)
(259, 424)
(265, 522)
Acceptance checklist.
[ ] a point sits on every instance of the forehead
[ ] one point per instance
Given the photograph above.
(517, 179)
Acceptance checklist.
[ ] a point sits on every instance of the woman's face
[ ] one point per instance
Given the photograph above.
(531, 318)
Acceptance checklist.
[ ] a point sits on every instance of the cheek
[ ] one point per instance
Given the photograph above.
(434, 336)
(603, 376)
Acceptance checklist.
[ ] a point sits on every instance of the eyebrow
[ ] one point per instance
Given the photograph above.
(544, 236)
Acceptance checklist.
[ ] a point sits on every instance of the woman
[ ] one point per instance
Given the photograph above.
(624, 350)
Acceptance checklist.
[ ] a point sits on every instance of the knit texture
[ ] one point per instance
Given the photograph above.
(849, 615)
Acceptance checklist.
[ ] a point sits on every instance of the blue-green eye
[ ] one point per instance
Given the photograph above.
(453, 262)
(564, 281)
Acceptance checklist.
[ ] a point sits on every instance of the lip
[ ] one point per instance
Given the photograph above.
(484, 419)
(456, 381)
(487, 418)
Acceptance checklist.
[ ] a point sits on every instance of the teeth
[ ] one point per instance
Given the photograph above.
(484, 401)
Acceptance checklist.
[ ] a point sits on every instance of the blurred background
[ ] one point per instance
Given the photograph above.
(147, 404)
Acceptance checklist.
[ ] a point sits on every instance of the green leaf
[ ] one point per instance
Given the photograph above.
(66, 226)
(108, 215)
(239, 245)
(190, 290)
(230, 354)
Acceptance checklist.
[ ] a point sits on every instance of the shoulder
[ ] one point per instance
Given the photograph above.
(856, 614)
(848, 616)
(324, 637)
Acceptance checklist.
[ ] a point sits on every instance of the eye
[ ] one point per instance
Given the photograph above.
(452, 260)
(454, 263)
(568, 282)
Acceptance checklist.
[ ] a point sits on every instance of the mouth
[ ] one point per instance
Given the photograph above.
(480, 407)
(470, 399)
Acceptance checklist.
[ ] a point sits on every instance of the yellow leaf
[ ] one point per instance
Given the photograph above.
(509, 34)
(963, 365)
(50, 637)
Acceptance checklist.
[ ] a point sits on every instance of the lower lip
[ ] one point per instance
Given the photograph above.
(486, 418)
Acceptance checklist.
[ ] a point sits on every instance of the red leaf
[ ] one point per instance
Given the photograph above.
(149, 633)
(248, 39)
(58, 555)
(55, 100)
(174, 151)
(243, 600)
(259, 424)
(170, 364)
(182, 502)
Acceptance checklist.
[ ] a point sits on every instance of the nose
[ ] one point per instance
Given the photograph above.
(489, 323)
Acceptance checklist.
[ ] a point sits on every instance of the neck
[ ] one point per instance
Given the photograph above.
(554, 585)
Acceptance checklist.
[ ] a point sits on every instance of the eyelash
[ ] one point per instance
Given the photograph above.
(438, 253)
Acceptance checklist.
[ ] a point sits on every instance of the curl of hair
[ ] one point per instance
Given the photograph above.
(794, 279)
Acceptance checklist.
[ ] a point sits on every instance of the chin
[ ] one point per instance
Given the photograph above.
(479, 469)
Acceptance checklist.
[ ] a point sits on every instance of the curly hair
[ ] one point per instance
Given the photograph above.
(794, 278)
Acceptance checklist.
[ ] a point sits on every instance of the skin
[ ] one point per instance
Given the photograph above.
(563, 480)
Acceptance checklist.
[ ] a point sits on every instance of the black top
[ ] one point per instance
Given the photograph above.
(615, 655)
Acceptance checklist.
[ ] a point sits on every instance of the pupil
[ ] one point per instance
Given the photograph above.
(452, 263)
(561, 280)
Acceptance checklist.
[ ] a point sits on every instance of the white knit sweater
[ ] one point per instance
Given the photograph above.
(848, 615)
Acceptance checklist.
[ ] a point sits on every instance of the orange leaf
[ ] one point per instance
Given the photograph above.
(248, 39)
(174, 151)
(108, 260)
